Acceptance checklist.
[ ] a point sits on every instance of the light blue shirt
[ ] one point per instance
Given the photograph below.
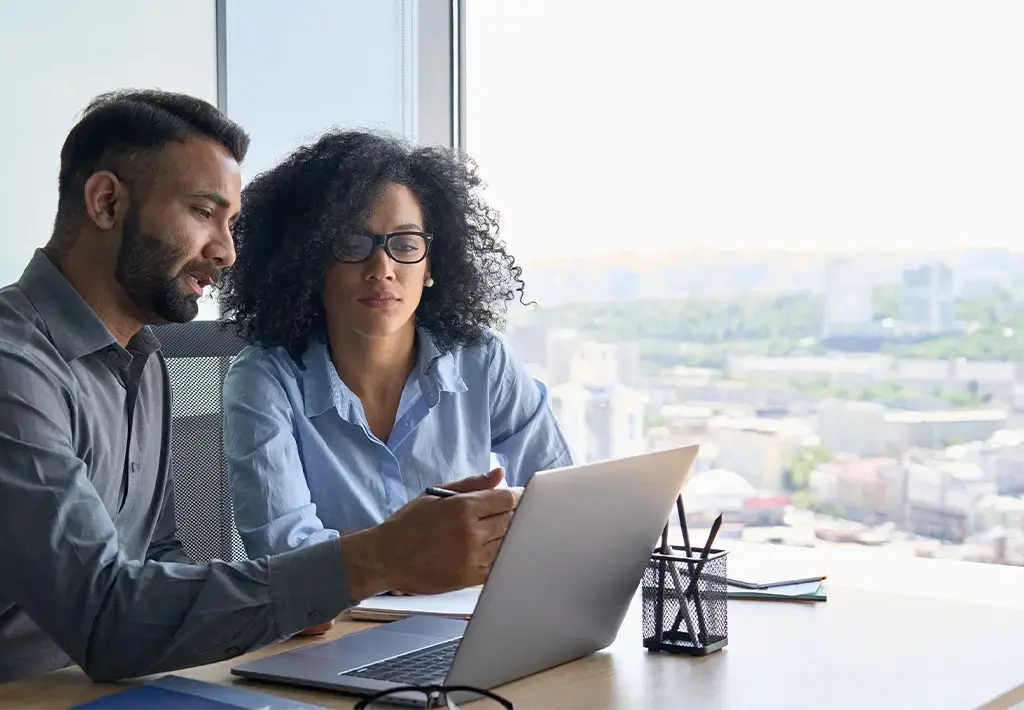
(304, 465)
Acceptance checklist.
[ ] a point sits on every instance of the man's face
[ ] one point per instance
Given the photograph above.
(176, 241)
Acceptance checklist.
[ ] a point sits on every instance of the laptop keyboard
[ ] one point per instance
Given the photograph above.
(423, 667)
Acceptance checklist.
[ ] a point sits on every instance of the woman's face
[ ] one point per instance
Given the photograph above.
(378, 298)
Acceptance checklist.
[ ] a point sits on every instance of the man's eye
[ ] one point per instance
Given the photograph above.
(204, 213)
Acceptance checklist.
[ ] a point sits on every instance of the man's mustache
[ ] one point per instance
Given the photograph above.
(213, 274)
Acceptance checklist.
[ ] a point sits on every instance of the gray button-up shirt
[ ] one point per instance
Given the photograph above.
(91, 568)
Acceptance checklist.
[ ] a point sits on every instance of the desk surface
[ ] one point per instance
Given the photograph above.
(861, 649)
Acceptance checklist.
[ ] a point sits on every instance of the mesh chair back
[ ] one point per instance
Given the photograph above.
(198, 355)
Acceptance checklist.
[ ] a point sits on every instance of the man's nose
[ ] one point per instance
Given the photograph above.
(221, 250)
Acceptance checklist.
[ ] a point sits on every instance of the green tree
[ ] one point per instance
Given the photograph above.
(802, 464)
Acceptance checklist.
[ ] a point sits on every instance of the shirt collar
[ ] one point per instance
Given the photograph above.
(440, 368)
(74, 327)
(318, 378)
(323, 389)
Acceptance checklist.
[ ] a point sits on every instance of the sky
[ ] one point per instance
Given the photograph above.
(807, 125)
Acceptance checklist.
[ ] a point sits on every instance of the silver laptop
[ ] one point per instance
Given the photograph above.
(558, 590)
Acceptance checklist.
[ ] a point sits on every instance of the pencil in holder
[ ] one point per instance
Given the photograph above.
(685, 607)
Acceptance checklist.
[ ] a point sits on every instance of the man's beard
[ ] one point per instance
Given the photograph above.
(145, 268)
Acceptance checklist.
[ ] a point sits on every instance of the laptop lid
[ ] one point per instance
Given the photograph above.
(569, 565)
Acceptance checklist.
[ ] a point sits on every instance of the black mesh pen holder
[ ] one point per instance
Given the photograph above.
(685, 608)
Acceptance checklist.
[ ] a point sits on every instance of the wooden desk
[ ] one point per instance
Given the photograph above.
(861, 649)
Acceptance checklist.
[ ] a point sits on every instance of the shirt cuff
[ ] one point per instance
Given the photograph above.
(308, 586)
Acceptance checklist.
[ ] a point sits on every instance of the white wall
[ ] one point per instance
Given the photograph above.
(54, 57)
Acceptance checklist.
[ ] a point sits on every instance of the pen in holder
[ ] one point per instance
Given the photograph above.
(685, 607)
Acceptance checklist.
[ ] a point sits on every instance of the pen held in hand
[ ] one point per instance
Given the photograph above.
(439, 492)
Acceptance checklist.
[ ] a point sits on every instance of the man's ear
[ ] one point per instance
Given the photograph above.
(106, 199)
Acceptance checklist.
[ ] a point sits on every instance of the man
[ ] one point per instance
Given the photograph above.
(91, 568)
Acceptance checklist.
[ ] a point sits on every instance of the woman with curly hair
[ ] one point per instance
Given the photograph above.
(368, 278)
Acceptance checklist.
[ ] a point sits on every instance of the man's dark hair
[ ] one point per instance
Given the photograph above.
(120, 124)
(293, 214)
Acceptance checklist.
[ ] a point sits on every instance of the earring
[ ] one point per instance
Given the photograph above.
(429, 282)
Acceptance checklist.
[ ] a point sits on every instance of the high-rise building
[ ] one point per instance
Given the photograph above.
(600, 423)
(927, 298)
(849, 299)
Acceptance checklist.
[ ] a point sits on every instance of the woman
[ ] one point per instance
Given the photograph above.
(369, 275)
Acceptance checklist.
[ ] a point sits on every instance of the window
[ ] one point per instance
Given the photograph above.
(51, 66)
(798, 230)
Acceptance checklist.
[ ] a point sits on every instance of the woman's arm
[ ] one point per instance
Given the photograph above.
(273, 510)
(524, 434)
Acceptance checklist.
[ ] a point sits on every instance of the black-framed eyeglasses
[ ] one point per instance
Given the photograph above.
(406, 247)
(431, 695)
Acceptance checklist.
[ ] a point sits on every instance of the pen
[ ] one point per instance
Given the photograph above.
(705, 553)
(692, 588)
(684, 612)
(682, 525)
(769, 585)
(701, 626)
(439, 492)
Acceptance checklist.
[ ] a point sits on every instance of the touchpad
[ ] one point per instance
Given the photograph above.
(377, 644)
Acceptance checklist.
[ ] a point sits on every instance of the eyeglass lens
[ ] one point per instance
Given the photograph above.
(403, 247)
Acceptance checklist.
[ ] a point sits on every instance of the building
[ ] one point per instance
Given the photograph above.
(855, 428)
(869, 490)
(994, 511)
(757, 449)
(927, 299)
(937, 429)
(551, 350)
(941, 495)
(849, 299)
(835, 370)
(1002, 379)
(716, 491)
(563, 355)
(604, 364)
(600, 423)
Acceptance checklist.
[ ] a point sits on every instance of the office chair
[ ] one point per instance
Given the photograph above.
(198, 355)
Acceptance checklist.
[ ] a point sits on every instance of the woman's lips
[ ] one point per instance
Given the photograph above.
(379, 301)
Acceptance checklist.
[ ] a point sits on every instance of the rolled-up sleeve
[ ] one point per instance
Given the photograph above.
(115, 617)
(524, 433)
(273, 508)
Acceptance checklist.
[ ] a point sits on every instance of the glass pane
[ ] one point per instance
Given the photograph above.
(42, 45)
(812, 262)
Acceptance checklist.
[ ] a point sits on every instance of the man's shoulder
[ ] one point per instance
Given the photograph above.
(32, 370)
(23, 334)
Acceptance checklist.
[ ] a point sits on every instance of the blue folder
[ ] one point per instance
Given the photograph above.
(178, 693)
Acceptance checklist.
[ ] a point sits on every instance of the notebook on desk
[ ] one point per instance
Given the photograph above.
(813, 591)
(763, 567)
(179, 693)
(385, 607)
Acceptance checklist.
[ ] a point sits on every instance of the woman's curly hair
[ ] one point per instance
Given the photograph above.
(292, 214)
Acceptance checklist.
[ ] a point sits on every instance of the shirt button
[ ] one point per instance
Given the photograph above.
(314, 616)
(234, 651)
